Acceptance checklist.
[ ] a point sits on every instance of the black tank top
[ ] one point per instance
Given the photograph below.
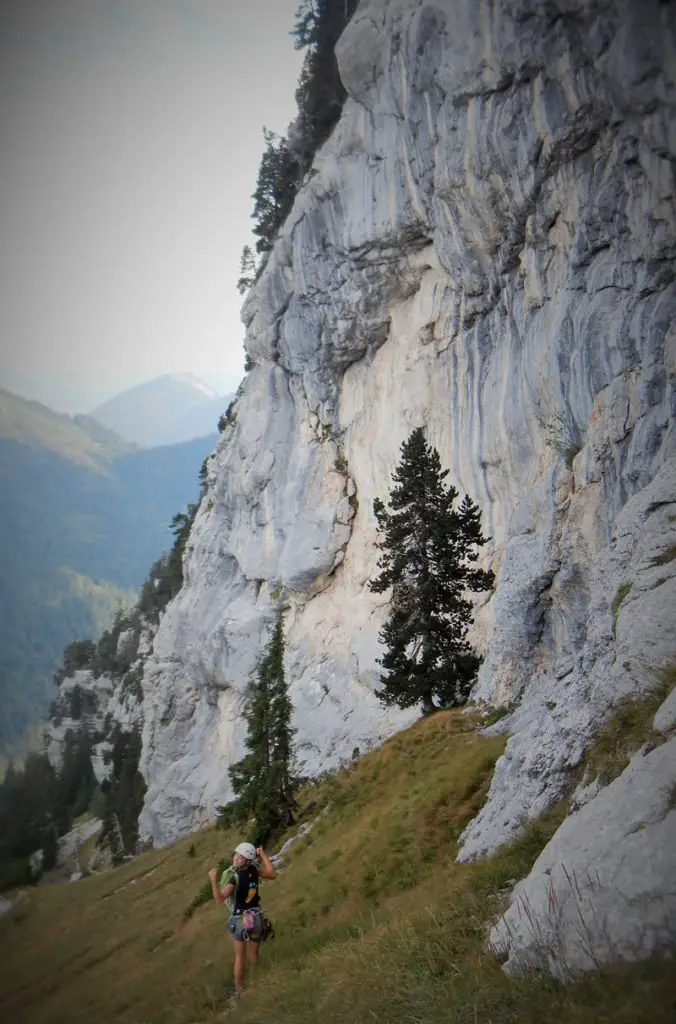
(246, 889)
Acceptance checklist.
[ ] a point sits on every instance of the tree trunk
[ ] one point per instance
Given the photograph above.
(428, 705)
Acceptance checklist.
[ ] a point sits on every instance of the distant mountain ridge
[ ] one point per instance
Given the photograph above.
(167, 410)
(83, 515)
(80, 439)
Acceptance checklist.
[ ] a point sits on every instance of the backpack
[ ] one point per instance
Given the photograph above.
(229, 877)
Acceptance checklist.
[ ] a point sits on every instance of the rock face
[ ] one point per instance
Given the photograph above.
(628, 639)
(81, 704)
(485, 247)
(604, 888)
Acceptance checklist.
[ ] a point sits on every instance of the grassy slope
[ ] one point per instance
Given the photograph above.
(79, 439)
(375, 920)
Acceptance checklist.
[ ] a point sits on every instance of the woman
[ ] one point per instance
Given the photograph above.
(246, 916)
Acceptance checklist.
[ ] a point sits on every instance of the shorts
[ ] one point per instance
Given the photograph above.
(247, 926)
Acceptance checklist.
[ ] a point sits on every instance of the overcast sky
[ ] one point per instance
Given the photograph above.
(130, 138)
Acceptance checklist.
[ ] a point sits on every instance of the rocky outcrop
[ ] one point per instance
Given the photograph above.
(627, 641)
(485, 246)
(81, 706)
(604, 888)
(101, 701)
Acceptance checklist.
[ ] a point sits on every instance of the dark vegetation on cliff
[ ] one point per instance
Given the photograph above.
(320, 97)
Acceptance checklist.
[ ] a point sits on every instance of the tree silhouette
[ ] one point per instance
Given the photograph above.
(429, 548)
(262, 781)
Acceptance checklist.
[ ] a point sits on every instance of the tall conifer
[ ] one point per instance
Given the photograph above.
(428, 549)
(263, 780)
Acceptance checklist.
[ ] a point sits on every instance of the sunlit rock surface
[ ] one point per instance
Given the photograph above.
(485, 247)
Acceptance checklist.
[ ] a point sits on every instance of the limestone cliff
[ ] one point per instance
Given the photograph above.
(485, 246)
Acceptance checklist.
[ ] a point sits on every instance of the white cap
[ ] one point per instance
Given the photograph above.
(246, 850)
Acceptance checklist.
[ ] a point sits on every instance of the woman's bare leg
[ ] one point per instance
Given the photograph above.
(240, 960)
(252, 952)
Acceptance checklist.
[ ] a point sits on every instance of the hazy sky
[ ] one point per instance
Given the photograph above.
(130, 138)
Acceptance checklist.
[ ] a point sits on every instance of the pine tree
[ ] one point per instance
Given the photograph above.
(281, 732)
(131, 789)
(27, 810)
(76, 703)
(76, 780)
(247, 270)
(180, 526)
(203, 476)
(320, 94)
(77, 655)
(275, 190)
(305, 29)
(263, 780)
(428, 549)
(124, 792)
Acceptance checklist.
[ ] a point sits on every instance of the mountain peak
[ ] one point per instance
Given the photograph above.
(166, 410)
(192, 381)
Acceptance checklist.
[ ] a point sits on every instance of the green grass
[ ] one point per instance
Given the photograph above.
(667, 556)
(375, 921)
(628, 729)
(622, 591)
(496, 714)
